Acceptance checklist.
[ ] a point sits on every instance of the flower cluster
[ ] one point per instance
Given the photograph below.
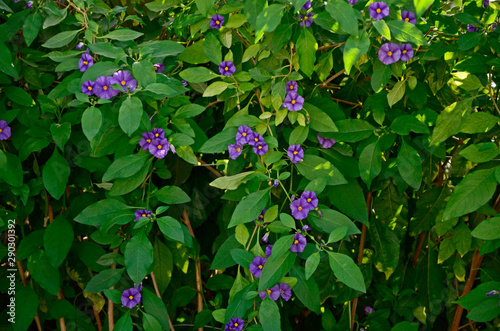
(472, 28)
(301, 207)
(276, 291)
(325, 143)
(391, 53)
(235, 324)
(295, 153)
(293, 101)
(156, 143)
(142, 213)
(216, 22)
(257, 265)
(299, 243)
(5, 131)
(245, 135)
(227, 68)
(269, 250)
(102, 86)
(378, 10)
(131, 297)
(86, 61)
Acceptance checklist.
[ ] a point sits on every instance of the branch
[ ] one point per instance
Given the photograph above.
(215, 172)
(330, 46)
(325, 83)
(421, 241)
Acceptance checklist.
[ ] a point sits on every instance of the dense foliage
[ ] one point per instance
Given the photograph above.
(250, 164)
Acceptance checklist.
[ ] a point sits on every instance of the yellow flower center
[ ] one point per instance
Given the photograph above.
(226, 68)
(295, 241)
(235, 325)
(305, 17)
(244, 134)
(143, 215)
(268, 291)
(261, 216)
(156, 68)
(157, 135)
(378, 10)
(124, 82)
(159, 146)
(260, 147)
(293, 102)
(148, 140)
(256, 139)
(291, 87)
(389, 53)
(407, 19)
(404, 52)
(295, 153)
(85, 62)
(217, 22)
(309, 200)
(238, 149)
(1, 130)
(131, 297)
(89, 88)
(105, 88)
(300, 208)
(260, 266)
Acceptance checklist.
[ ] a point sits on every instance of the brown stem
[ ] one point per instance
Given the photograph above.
(97, 318)
(347, 102)
(325, 83)
(215, 172)
(492, 96)
(111, 305)
(330, 46)
(421, 241)
(260, 103)
(212, 103)
(157, 291)
(62, 323)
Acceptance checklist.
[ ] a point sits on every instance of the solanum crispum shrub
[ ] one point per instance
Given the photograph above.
(249, 164)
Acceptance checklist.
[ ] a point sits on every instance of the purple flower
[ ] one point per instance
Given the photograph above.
(260, 148)
(86, 61)
(486, 3)
(276, 183)
(103, 88)
(325, 143)
(494, 26)
(172, 148)
(406, 52)
(368, 310)
(306, 228)
(491, 293)
(79, 45)
(378, 10)
(147, 138)
(260, 218)
(235, 324)
(300, 209)
(16, 1)
(88, 87)
(234, 150)
(291, 86)
(159, 148)
(389, 53)
(158, 133)
(295, 153)
(243, 135)
(184, 83)
(159, 68)
(299, 243)
(29, 4)
(408, 16)
(5, 131)
(227, 68)
(285, 290)
(353, 2)
(257, 265)
(310, 198)
(265, 237)
(273, 293)
(142, 213)
(294, 102)
(306, 20)
(306, 6)
(124, 79)
(269, 250)
(472, 28)
(255, 139)
(131, 297)
(217, 21)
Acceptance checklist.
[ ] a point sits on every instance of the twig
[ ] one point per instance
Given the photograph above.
(492, 96)
(215, 172)
(325, 83)
(418, 249)
(62, 323)
(97, 318)
(330, 46)
(260, 103)
(347, 102)
(157, 291)
(111, 305)
(212, 103)
(81, 12)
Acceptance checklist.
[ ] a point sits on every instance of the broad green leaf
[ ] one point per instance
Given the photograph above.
(96, 213)
(6, 8)
(421, 6)
(164, 264)
(194, 54)
(347, 271)
(319, 119)
(313, 166)
(124, 323)
(250, 52)
(383, 29)
(331, 220)
(173, 89)
(155, 307)
(11, 170)
(370, 162)
(6, 64)
(469, 40)
(312, 263)
(479, 153)
(397, 93)
(409, 165)
(55, 175)
(31, 27)
(352, 130)
(60, 133)
(220, 141)
(125, 166)
(249, 208)
(150, 323)
(356, 208)
(267, 20)
(57, 240)
(104, 280)
(202, 318)
(105, 68)
(231, 182)
(123, 34)
(386, 246)
(475, 190)
(343, 13)
(242, 234)
(43, 272)
(130, 115)
(19, 96)
(380, 77)
(462, 238)
(429, 206)
(269, 315)
(450, 121)
(276, 267)
(242, 257)
(299, 135)
(145, 73)
(189, 110)
(354, 48)
(406, 32)
(61, 39)
(212, 49)
(485, 311)
(138, 257)
(172, 195)
(306, 289)
(479, 122)
(215, 88)
(107, 50)
(406, 326)
(338, 234)
(223, 257)
(404, 124)
(123, 186)
(26, 312)
(240, 304)
(91, 122)
(171, 228)
(488, 229)
(204, 6)
(306, 49)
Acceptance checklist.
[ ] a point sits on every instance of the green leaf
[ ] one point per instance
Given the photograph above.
(370, 162)
(197, 75)
(242, 234)
(123, 186)
(352, 130)
(231, 182)
(386, 245)
(249, 208)
(347, 271)
(124, 323)
(306, 49)
(404, 124)
(164, 264)
(383, 29)
(406, 32)
(61, 39)
(485, 311)
(397, 93)
(352, 192)
(202, 318)
(155, 307)
(469, 40)
(31, 27)
(26, 312)
(19, 96)
(171, 228)
(57, 240)
(145, 73)
(354, 48)
(173, 89)
(55, 175)
(429, 206)
(172, 195)
(204, 6)
(123, 34)
(96, 213)
(421, 6)
(150, 323)
(242, 257)
(319, 120)
(189, 110)
(6, 64)
(11, 170)
(313, 166)
(194, 54)
(91, 122)
(479, 122)
(475, 190)
(125, 167)
(287, 220)
(250, 52)
(6, 8)
(338, 234)
(482, 152)
(488, 229)
(406, 326)
(267, 20)
(60, 133)
(107, 50)
(240, 304)
(130, 115)
(104, 68)
(343, 13)
(269, 315)
(298, 135)
(138, 257)
(276, 267)
(104, 280)
(312, 263)
(221, 259)
(43, 272)
(409, 165)
(219, 142)
(462, 238)
(306, 289)
(212, 49)
(450, 120)
(215, 88)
